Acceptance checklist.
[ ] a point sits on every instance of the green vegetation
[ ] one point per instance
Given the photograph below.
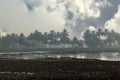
(58, 40)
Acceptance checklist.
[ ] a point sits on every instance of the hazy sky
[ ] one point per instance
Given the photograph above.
(44, 15)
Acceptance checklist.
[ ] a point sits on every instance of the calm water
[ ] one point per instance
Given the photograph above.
(47, 54)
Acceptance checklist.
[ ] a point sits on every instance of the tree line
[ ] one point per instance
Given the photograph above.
(52, 39)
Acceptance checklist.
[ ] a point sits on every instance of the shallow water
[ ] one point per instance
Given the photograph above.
(47, 54)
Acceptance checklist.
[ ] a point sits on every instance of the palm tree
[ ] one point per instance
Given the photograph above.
(21, 38)
(87, 37)
(52, 38)
(75, 42)
(64, 37)
(45, 39)
(91, 39)
(36, 37)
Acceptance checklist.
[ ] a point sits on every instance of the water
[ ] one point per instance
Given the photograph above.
(47, 54)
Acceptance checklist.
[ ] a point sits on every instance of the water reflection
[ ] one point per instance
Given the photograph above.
(47, 54)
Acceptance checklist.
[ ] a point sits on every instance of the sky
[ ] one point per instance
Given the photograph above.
(44, 15)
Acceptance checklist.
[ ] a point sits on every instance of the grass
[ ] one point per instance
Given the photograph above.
(63, 69)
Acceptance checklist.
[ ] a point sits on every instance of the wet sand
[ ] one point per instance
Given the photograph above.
(59, 69)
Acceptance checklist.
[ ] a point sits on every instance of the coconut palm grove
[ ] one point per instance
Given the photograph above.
(90, 39)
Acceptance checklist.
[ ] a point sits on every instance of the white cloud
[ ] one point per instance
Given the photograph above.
(20, 19)
(74, 11)
(114, 23)
(91, 28)
(15, 17)
(2, 34)
(86, 8)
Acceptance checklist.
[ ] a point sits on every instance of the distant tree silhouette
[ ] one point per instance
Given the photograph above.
(21, 38)
(64, 37)
(52, 38)
(37, 36)
(93, 39)
(75, 42)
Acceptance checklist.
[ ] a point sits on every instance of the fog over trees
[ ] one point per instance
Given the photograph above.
(36, 40)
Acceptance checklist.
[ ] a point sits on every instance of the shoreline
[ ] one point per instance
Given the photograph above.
(67, 50)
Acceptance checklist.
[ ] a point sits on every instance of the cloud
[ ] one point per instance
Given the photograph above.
(32, 4)
(85, 8)
(74, 15)
(70, 15)
(21, 19)
(50, 9)
(114, 23)
(80, 14)
(91, 28)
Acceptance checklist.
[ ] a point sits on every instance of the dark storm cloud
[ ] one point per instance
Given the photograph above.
(49, 9)
(32, 4)
(70, 15)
